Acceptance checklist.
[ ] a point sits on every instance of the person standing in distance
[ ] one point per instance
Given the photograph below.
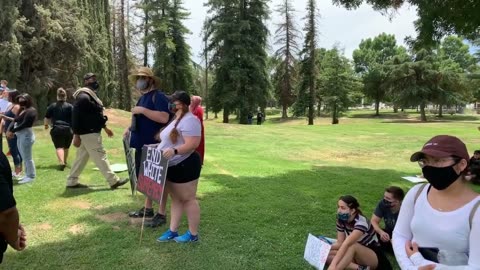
(87, 123)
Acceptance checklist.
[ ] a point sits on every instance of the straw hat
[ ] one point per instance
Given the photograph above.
(145, 72)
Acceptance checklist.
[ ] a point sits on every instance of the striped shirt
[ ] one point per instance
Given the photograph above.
(362, 224)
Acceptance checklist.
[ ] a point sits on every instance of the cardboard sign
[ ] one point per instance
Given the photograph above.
(153, 173)
(130, 159)
(316, 252)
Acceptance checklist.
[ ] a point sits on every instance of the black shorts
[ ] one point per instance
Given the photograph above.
(383, 262)
(61, 136)
(185, 171)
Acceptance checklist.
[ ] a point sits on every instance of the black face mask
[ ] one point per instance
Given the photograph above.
(22, 103)
(440, 178)
(387, 204)
(94, 85)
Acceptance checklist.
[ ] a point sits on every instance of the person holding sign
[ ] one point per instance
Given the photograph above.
(178, 143)
(356, 246)
(149, 115)
(387, 209)
(438, 226)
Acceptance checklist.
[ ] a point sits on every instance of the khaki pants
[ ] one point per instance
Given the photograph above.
(91, 147)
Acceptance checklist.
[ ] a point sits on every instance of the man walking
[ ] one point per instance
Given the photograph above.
(87, 123)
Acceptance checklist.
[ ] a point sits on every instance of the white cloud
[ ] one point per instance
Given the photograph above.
(337, 25)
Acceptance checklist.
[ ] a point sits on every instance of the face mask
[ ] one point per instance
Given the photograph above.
(343, 216)
(172, 107)
(22, 103)
(440, 178)
(387, 204)
(141, 84)
(94, 85)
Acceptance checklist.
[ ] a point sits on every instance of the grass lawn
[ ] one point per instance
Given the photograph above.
(262, 190)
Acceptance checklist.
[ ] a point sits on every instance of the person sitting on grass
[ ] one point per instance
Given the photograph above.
(387, 209)
(356, 246)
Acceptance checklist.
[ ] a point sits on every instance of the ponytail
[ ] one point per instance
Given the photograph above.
(174, 133)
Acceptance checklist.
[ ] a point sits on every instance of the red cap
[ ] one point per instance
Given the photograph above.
(442, 146)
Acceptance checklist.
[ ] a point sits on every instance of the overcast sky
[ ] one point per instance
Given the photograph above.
(336, 24)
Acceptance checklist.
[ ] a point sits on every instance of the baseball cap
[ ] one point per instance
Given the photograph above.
(442, 146)
(89, 75)
(181, 96)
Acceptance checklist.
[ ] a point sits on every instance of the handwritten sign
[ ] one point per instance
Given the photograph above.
(130, 162)
(153, 173)
(316, 252)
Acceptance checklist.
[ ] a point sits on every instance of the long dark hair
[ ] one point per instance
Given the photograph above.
(12, 96)
(351, 202)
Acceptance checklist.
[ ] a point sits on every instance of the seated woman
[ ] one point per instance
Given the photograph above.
(356, 246)
(387, 209)
(438, 227)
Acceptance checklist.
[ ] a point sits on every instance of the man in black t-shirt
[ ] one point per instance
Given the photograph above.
(387, 209)
(11, 232)
(59, 116)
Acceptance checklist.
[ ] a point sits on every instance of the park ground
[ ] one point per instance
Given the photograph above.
(262, 190)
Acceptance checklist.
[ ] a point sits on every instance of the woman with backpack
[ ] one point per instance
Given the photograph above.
(438, 227)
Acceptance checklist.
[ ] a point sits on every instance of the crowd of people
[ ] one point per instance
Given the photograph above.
(174, 123)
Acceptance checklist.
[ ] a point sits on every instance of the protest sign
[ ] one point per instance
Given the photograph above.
(130, 162)
(316, 252)
(153, 173)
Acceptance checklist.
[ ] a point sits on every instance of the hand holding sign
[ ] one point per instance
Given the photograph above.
(153, 173)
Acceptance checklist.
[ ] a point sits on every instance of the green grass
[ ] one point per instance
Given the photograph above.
(262, 190)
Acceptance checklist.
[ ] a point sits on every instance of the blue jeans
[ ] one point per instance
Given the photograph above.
(12, 146)
(25, 140)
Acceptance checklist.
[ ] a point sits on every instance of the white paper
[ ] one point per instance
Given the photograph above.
(316, 252)
(117, 167)
(414, 179)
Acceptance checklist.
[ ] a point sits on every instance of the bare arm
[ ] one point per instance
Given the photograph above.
(191, 143)
(9, 225)
(349, 241)
(376, 223)
(157, 116)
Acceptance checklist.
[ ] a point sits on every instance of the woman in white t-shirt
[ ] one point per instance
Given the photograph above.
(438, 227)
(178, 142)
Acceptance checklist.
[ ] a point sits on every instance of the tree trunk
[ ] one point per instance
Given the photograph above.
(440, 110)
(206, 78)
(145, 43)
(284, 111)
(395, 108)
(226, 113)
(377, 107)
(423, 116)
(216, 115)
(334, 114)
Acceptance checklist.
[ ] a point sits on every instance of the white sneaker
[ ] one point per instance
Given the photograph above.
(14, 175)
(25, 180)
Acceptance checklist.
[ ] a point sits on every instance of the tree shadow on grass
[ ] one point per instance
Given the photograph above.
(248, 222)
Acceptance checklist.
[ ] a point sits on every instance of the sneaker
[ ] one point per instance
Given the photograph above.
(26, 180)
(119, 183)
(78, 186)
(17, 175)
(142, 212)
(167, 236)
(187, 237)
(156, 221)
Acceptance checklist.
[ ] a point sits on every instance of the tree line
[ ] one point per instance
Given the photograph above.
(51, 43)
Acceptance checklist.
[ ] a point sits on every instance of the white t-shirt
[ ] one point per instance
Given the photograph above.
(188, 126)
(4, 104)
(448, 231)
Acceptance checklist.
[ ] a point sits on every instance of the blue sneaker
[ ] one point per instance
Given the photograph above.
(187, 237)
(167, 236)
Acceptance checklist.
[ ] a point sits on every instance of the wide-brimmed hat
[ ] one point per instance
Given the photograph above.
(144, 72)
(442, 146)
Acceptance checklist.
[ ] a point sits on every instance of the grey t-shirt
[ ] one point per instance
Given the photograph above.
(188, 126)
(389, 218)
